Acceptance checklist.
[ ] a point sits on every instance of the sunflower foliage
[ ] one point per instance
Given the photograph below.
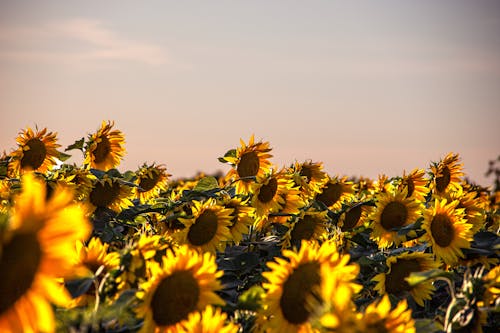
(89, 247)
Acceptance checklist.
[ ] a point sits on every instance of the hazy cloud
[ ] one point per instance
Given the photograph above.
(76, 41)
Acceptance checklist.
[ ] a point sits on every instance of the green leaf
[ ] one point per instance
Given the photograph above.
(427, 326)
(251, 299)
(229, 153)
(62, 156)
(419, 277)
(77, 145)
(206, 184)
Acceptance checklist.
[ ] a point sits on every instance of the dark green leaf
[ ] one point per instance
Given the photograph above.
(62, 156)
(77, 145)
(79, 287)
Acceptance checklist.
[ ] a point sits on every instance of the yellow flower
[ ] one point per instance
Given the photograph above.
(447, 174)
(37, 151)
(415, 184)
(298, 286)
(251, 160)
(399, 268)
(208, 229)
(309, 177)
(447, 230)
(37, 249)
(210, 320)
(109, 193)
(378, 317)
(310, 225)
(355, 215)
(105, 148)
(185, 283)
(242, 217)
(151, 180)
(393, 210)
(335, 192)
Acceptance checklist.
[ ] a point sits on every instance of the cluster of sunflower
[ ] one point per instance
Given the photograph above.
(88, 248)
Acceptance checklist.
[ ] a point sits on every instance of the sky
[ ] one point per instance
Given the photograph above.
(366, 87)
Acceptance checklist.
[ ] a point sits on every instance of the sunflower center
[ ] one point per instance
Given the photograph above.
(203, 229)
(442, 230)
(34, 157)
(148, 183)
(444, 180)
(351, 218)
(297, 290)
(394, 215)
(307, 172)
(104, 194)
(304, 228)
(102, 150)
(395, 281)
(249, 164)
(174, 298)
(19, 263)
(331, 194)
(268, 191)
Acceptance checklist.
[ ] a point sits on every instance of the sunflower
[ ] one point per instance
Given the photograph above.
(472, 204)
(109, 193)
(210, 320)
(105, 148)
(250, 161)
(186, 282)
(242, 217)
(37, 151)
(298, 286)
(447, 230)
(415, 184)
(335, 192)
(446, 174)
(310, 225)
(208, 229)
(268, 193)
(399, 268)
(293, 203)
(491, 296)
(393, 210)
(378, 317)
(96, 254)
(354, 216)
(37, 248)
(151, 180)
(309, 177)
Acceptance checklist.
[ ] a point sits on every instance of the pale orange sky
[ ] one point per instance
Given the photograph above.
(368, 87)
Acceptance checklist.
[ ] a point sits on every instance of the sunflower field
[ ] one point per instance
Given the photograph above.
(89, 248)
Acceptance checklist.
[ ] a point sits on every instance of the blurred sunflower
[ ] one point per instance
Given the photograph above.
(250, 160)
(109, 193)
(399, 268)
(393, 210)
(208, 229)
(37, 151)
(415, 184)
(151, 180)
(309, 177)
(378, 317)
(94, 255)
(298, 286)
(105, 148)
(210, 320)
(491, 280)
(447, 230)
(242, 217)
(185, 283)
(37, 248)
(80, 180)
(472, 204)
(310, 225)
(335, 192)
(447, 174)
